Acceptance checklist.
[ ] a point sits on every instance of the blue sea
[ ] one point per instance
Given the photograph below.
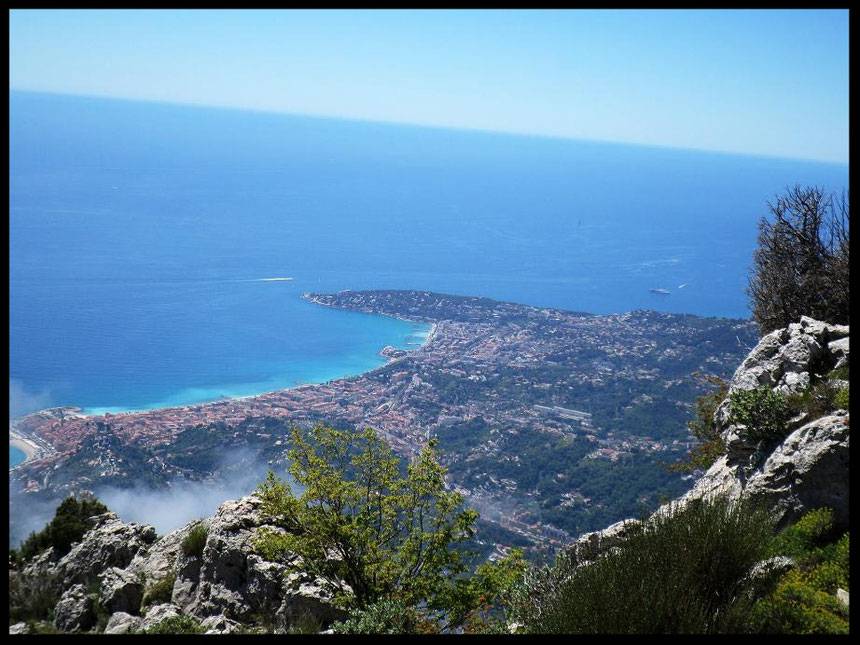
(144, 236)
(16, 456)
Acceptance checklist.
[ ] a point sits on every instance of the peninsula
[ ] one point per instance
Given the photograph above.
(551, 422)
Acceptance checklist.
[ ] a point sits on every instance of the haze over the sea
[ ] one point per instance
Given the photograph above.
(145, 239)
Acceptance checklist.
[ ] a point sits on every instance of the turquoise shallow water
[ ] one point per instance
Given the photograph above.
(404, 335)
(16, 456)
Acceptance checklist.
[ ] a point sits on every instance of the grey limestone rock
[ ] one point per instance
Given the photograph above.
(121, 590)
(122, 623)
(110, 543)
(157, 613)
(220, 625)
(75, 611)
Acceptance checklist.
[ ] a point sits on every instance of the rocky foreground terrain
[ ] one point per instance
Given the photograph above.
(228, 587)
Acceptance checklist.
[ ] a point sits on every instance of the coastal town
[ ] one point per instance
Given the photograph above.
(608, 395)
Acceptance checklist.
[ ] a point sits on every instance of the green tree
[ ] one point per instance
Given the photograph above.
(374, 532)
(68, 525)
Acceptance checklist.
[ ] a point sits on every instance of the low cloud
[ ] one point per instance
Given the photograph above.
(23, 401)
(185, 500)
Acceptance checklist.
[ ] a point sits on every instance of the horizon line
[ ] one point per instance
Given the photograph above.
(430, 126)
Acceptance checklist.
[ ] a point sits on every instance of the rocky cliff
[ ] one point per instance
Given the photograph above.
(807, 469)
(105, 579)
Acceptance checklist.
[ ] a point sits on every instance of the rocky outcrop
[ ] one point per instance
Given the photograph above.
(304, 596)
(158, 613)
(590, 545)
(110, 543)
(220, 625)
(75, 610)
(808, 469)
(121, 590)
(233, 580)
(228, 584)
(790, 359)
(122, 623)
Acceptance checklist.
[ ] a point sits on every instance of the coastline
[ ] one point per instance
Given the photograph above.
(30, 449)
(107, 411)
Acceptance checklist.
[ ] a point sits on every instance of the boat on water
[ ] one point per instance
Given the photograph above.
(662, 292)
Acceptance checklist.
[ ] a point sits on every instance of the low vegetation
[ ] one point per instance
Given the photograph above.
(160, 591)
(804, 600)
(194, 543)
(386, 617)
(692, 571)
(703, 427)
(763, 413)
(684, 572)
(32, 598)
(181, 624)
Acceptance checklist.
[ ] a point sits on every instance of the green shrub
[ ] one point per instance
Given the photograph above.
(762, 411)
(161, 591)
(305, 623)
(181, 624)
(816, 401)
(405, 533)
(42, 627)
(685, 572)
(711, 445)
(839, 373)
(798, 607)
(68, 525)
(804, 601)
(384, 617)
(195, 541)
(840, 401)
(804, 539)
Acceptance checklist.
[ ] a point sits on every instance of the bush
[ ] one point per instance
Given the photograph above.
(803, 539)
(801, 265)
(703, 427)
(180, 624)
(684, 572)
(841, 399)
(195, 541)
(305, 623)
(384, 617)
(161, 591)
(762, 411)
(816, 400)
(803, 601)
(68, 525)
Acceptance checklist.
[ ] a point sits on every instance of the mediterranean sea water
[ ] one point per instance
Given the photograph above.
(143, 237)
(16, 456)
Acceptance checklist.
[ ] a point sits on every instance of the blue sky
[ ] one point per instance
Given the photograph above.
(758, 82)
